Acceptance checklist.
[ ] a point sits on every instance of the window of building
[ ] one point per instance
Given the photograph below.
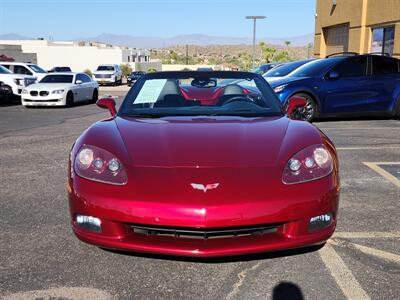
(383, 40)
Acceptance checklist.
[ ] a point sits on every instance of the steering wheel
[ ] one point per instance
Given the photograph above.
(244, 98)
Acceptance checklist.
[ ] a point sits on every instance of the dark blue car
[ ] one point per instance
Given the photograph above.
(358, 85)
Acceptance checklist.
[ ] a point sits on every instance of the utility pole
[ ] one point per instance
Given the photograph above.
(254, 18)
(187, 54)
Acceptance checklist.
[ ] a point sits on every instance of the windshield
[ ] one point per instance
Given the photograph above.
(37, 69)
(57, 79)
(315, 67)
(285, 69)
(105, 68)
(4, 70)
(201, 94)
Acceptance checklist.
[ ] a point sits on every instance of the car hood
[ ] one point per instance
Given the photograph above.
(277, 81)
(49, 86)
(206, 141)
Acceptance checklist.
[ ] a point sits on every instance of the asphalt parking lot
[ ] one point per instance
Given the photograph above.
(40, 258)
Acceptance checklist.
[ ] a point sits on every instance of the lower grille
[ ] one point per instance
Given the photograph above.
(227, 232)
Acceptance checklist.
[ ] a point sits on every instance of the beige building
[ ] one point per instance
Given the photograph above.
(362, 26)
(82, 55)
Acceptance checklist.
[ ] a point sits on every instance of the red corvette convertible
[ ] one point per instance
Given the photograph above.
(203, 164)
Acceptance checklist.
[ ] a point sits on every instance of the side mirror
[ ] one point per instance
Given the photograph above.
(108, 103)
(333, 75)
(295, 103)
(78, 82)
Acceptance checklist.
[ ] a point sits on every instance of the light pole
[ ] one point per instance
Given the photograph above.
(254, 18)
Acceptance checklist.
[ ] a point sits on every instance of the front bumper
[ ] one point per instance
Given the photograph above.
(105, 80)
(50, 100)
(290, 213)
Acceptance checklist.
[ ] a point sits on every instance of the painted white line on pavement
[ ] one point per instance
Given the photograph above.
(366, 235)
(374, 166)
(378, 253)
(355, 128)
(342, 275)
(368, 148)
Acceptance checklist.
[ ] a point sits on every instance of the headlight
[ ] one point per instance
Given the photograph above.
(18, 81)
(280, 88)
(309, 164)
(57, 92)
(24, 91)
(99, 165)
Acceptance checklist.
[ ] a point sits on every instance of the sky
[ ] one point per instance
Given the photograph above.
(70, 19)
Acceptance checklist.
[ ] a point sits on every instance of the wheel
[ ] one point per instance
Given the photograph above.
(70, 100)
(95, 96)
(308, 112)
(397, 110)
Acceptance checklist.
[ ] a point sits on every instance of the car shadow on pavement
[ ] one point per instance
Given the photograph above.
(219, 260)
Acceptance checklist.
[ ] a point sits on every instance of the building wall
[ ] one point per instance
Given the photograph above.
(79, 56)
(361, 16)
(15, 52)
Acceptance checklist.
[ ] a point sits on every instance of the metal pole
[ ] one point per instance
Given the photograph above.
(254, 42)
(254, 18)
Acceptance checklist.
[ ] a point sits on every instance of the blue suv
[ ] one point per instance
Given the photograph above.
(360, 85)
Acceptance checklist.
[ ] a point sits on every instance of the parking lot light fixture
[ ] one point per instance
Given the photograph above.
(254, 18)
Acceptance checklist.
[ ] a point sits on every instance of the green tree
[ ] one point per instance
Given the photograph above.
(288, 43)
(88, 72)
(126, 70)
(268, 53)
(151, 70)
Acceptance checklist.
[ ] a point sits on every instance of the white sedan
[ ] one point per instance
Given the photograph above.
(60, 89)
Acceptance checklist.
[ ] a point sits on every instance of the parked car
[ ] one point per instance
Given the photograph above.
(360, 85)
(60, 89)
(285, 69)
(60, 69)
(265, 67)
(4, 92)
(14, 83)
(190, 167)
(108, 74)
(25, 69)
(134, 76)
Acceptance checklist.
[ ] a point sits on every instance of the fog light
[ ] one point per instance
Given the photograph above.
(88, 223)
(320, 222)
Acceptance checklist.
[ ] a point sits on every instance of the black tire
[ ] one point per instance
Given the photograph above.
(310, 111)
(397, 110)
(70, 100)
(95, 96)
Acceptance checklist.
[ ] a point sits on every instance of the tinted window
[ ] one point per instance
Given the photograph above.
(57, 79)
(21, 70)
(105, 68)
(37, 69)
(315, 67)
(84, 78)
(284, 69)
(6, 66)
(352, 67)
(384, 65)
(4, 70)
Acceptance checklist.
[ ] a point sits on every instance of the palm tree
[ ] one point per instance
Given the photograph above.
(287, 43)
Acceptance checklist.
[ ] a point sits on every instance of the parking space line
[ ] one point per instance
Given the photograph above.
(355, 128)
(378, 253)
(346, 281)
(374, 166)
(368, 148)
(366, 235)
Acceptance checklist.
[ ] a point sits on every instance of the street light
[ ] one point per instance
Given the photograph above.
(254, 18)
